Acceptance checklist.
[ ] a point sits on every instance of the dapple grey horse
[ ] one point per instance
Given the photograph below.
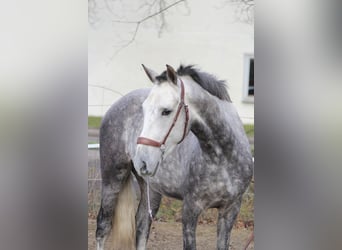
(182, 138)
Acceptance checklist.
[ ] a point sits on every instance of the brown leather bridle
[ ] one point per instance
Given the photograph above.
(161, 145)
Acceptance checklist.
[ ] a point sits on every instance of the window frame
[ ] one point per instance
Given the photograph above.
(246, 71)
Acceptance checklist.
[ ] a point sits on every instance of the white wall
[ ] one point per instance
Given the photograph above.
(209, 36)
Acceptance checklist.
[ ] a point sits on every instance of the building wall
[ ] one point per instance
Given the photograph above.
(207, 35)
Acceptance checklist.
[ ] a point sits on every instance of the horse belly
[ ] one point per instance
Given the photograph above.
(217, 189)
(220, 194)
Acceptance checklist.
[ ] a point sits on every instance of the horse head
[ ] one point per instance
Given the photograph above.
(166, 121)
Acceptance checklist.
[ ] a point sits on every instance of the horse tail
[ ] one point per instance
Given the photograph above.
(123, 231)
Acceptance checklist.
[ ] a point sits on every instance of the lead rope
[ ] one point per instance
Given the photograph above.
(162, 148)
(148, 198)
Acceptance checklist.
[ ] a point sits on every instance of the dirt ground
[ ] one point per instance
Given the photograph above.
(168, 236)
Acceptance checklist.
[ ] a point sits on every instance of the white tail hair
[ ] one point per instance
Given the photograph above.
(123, 231)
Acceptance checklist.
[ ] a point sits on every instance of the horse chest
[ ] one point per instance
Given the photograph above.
(169, 180)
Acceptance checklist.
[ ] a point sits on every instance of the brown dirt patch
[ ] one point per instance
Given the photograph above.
(168, 236)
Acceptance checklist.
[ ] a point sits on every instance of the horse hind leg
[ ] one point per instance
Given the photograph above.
(225, 222)
(143, 220)
(105, 216)
(113, 186)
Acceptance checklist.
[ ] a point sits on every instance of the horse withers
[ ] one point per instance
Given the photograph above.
(182, 138)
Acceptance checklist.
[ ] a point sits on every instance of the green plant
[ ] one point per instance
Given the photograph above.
(170, 210)
(246, 214)
(249, 129)
(94, 121)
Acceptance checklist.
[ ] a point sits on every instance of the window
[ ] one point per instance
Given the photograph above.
(248, 78)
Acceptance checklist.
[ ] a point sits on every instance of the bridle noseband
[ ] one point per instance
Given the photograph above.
(161, 145)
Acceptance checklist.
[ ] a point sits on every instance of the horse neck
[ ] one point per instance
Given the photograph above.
(216, 125)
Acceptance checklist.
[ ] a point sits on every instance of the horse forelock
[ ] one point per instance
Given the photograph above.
(207, 81)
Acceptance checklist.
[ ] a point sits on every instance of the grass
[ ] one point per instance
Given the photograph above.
(249, 129)
(246, 214)
(170, 210)
(94, 121)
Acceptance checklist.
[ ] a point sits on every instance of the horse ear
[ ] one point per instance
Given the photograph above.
(171, 74)
(150, 73)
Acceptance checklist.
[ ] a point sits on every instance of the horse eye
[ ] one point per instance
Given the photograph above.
(166, 112)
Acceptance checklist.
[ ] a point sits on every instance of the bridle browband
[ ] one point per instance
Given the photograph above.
(161, 145)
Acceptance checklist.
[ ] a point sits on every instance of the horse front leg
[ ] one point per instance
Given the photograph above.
(143, 219)
(225, 222)
(189, 219)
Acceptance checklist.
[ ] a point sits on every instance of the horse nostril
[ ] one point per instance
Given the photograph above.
(143, 169)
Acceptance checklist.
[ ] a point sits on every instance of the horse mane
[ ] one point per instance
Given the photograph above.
(207, 81)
